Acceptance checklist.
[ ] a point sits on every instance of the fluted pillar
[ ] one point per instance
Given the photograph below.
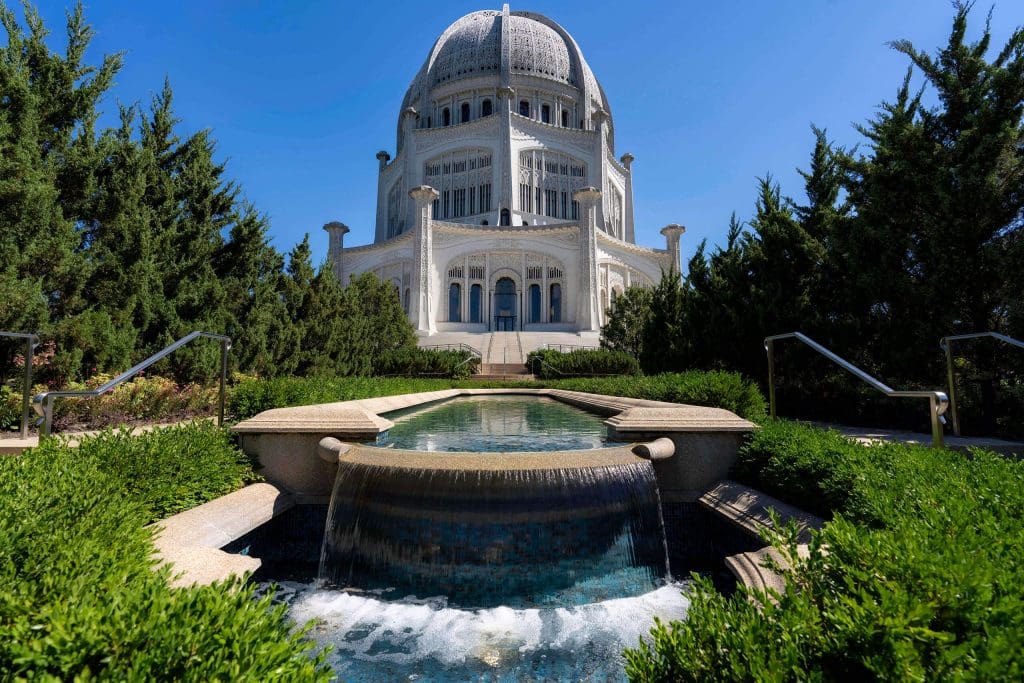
(672, 233)
(336, 232)
(421, 313)
(629, 233)
(587, 305)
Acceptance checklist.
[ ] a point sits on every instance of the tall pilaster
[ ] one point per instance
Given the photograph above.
(587, 311)
(421, 314)
(672, 233)
(410, 173)
(336, 232)
(600, 118)
(381, 230)
(507, 165)
(630, 232)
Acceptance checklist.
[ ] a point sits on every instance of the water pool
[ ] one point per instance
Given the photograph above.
(381, 641)
(503, 423)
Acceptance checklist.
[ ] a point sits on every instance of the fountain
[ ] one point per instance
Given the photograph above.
(503, 565)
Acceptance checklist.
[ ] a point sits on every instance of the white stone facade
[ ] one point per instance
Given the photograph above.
(504, 206)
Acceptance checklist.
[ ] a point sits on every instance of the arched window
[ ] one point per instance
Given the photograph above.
(534, 303)
(506, 218)
(565, 118)
(545, 113)
(405, 301)
(485, 108)
(454, 303)
(464, 112)
(475, 296)
(429, 125)
(524, 108)
(555, 309)
(446, 117)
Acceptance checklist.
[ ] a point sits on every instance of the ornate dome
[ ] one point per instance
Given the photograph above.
(504, 44)
(472, 45)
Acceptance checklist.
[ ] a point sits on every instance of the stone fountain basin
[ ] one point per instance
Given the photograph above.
(285, 440)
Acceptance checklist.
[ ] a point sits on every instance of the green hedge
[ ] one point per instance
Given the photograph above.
(917, 576)
(251, 395)
(79, 597)
(717, 389)
(414, 362)
(551, 364)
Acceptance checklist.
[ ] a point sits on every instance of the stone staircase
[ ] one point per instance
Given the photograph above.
(503, 358)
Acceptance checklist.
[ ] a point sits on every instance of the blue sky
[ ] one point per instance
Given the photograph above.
(706, 95)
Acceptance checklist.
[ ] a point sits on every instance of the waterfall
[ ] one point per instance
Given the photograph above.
(483, 537)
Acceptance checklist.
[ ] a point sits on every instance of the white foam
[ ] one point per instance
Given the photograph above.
(406, 632)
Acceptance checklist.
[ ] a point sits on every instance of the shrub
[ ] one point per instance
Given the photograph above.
(170, 469)
(551, 364)
(411, 361)
(920, 580)
(716, 389)
(79, 597)
(251, 396)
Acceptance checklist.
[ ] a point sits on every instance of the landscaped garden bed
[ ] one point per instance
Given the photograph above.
(915, 577)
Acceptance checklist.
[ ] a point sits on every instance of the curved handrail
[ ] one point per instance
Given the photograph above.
(31, 342)
(43, 403)
(937, 400)
(946, 345)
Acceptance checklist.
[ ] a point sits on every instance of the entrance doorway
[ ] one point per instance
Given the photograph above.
(505, 305)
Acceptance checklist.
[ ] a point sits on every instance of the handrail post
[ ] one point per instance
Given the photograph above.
(26, 394)
(47, 421)
(947, 345)
(225, 346)
(769, 347)
(937, 436)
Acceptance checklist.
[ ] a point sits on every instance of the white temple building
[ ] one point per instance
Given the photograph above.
(504, 206)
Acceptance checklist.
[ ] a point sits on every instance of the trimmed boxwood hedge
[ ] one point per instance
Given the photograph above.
(717, 389)
(416, 362)
(79, 597)
(552, 364)
(916, 577)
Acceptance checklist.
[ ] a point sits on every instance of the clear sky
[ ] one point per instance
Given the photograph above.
(706, 95)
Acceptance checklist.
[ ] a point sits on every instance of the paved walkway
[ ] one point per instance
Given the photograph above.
(870, 435)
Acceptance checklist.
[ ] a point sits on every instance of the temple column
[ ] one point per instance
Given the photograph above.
(507, 167)
(672, 233)
(587, 311)
(336, 232)
(381, 229)
(627, 210)
(421, 313)
(601, 119)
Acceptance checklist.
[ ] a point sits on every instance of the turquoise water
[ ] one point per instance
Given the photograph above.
(425, 640)
(504, 423)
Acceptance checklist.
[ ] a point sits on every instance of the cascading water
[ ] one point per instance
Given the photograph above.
(481, 538)
(501, 566)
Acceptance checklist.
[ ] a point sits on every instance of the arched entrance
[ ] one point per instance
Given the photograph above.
(505, 304)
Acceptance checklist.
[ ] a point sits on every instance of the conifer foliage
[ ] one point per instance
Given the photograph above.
(115, 242)
(915, 236)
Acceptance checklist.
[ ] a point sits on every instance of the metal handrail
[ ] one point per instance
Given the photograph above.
(453, 347)
(31, 342)
(571, 347)
(43, 403)
(937, 400)
(946, 346)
